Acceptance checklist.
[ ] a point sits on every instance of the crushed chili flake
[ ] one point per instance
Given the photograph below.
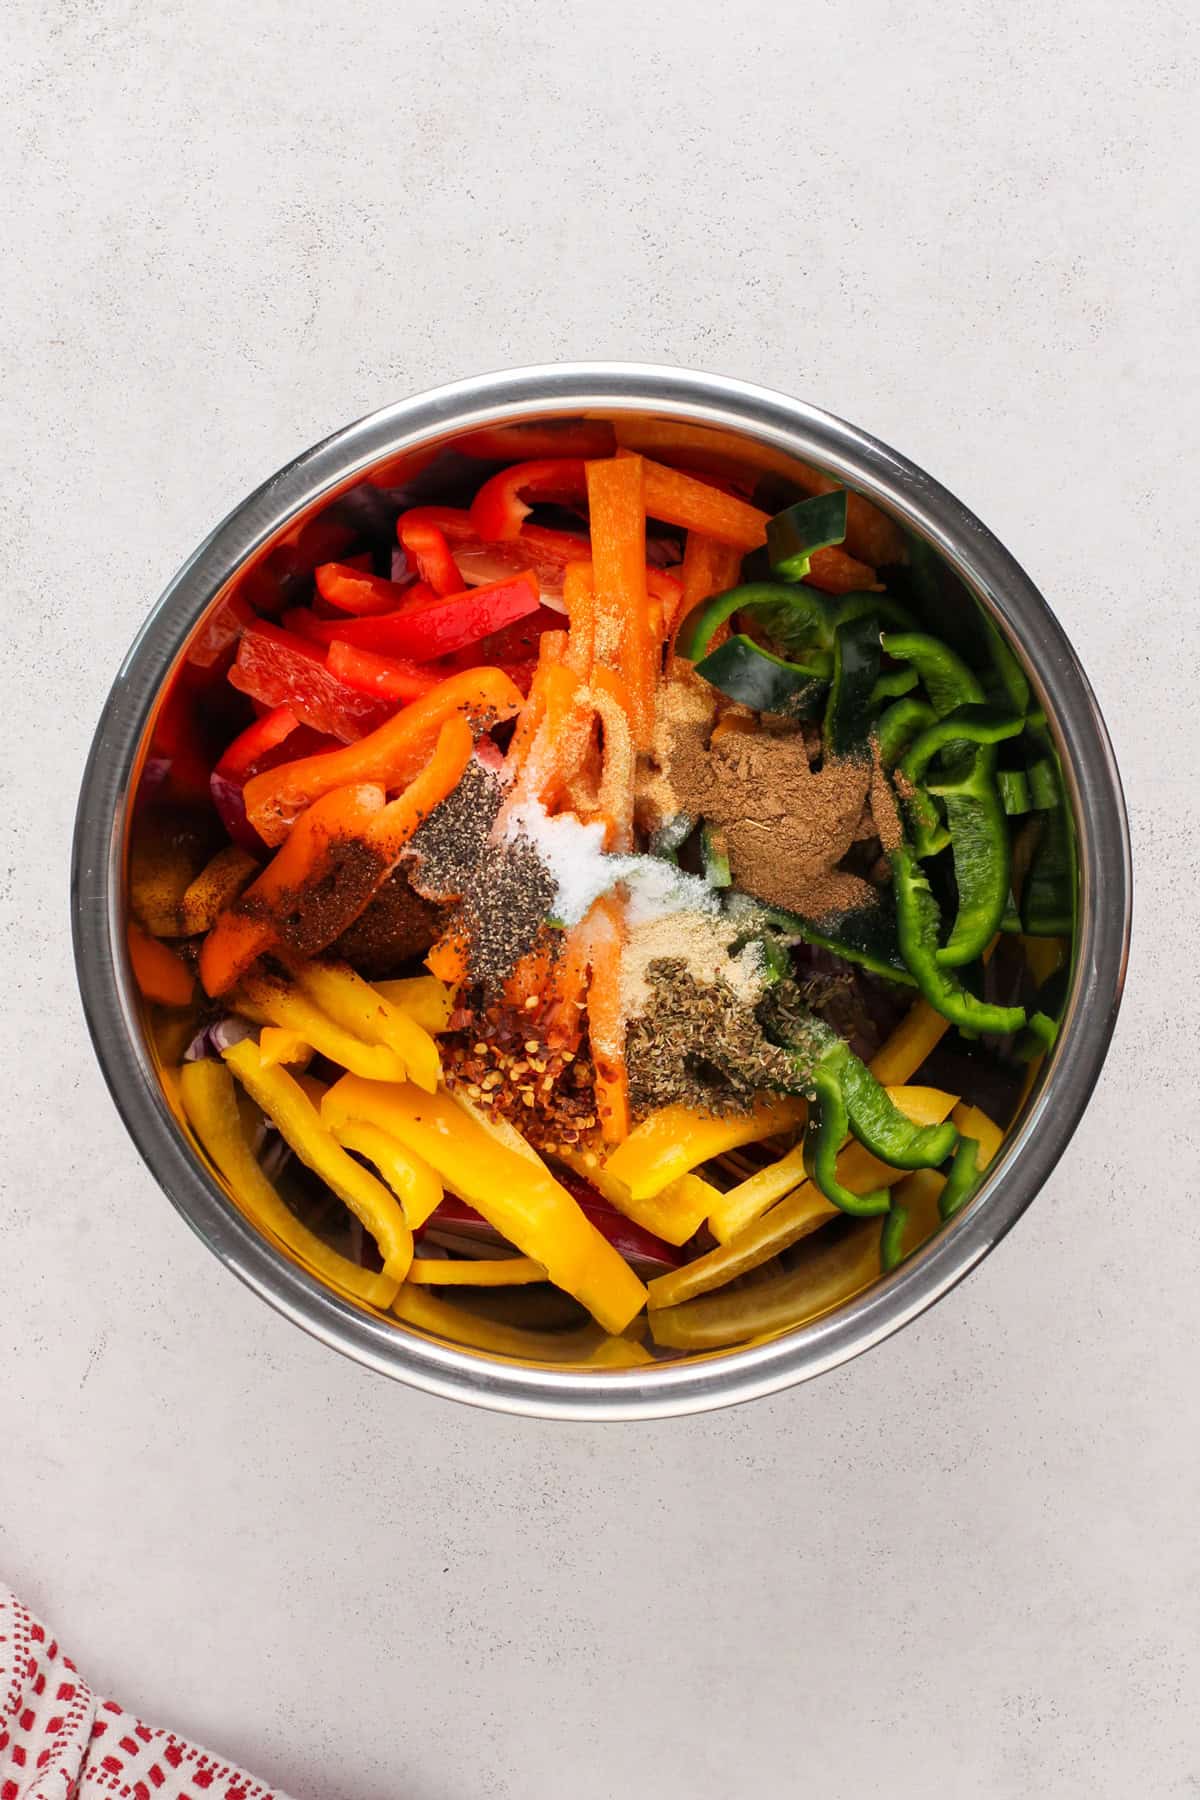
(501, 1059)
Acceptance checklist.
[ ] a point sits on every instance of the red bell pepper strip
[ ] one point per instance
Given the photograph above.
(499, 507)
(352, 592)
(248, 756)
(439, 626)
(250, 746)
(281, 669)
(220, 631)
(389, 678)
(305, 623)
(426, 544)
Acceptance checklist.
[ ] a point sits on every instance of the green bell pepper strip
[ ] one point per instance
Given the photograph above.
(891, 1239)
(975, 820)
(806, 611)
(848, 712)
(714, 856)
(826, 1131)
(866, 603)
(812, 524)
(898, 726)
(1010, 677)
(669, 839)
(1047, 898)
(866, 935)
(1034, 789)
(947, 679)
(918, 926)
(757, 678)
(892, 683)
(883, 1129)
(962, 1181)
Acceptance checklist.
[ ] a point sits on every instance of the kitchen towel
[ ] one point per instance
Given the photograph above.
(59, 1740)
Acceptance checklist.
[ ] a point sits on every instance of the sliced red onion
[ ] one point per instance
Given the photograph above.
(221, 1035)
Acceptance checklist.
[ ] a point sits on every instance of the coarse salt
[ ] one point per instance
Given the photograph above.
(582, 870)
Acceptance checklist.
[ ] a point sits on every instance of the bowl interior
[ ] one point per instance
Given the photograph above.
(197, 711)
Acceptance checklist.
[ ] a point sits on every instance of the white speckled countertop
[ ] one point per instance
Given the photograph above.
(965, 1565)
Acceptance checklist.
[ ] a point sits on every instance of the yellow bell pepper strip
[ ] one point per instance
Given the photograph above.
(391, 757)
(977, 1146)
(416, 1306)
(975, 1124)
(677, 1139)
(738, 1206)
(159, 973)
(418, 1187)
(834, 1269)
(217, 886)
(296, 1118)
(427, 1001)
(278, 1045)
(519, 1199)
(617, 1353)
(362, 1010)
(918, 1034)
(210, 1104)
(160, 871)
(467, 1271)
(803, 1210)
(915, 1203)
(496, 1126)
(267, 1001)
(674, 1215)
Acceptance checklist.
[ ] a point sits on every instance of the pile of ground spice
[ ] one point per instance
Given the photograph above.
(502, 891)
(787, 823)
(698, 1043)
(704, 943)
(397, 925)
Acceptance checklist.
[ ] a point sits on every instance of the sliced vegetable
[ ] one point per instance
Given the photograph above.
(357, 592)
(505, 501)
(469, 1271)
(425, 543)
(280, 669)
(391, 756)
(427, 1001)
(415, 1183)
(363, 1010)
(389, 678)
(794, 534)
(520, 1198)
(623, 639)
(210, 1103)
(677, 1139)
(848, 712)
(158, 972)
(919, 924)
(268, 1001)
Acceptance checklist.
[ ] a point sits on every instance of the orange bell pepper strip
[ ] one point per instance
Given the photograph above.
(210, 1106)
(390, 756)
(159, 973)
(605, 931)
(679, 499)
(517, 1195)
(349, 835)
(579, 596)
(251, 926)
(561, 738)
(709, 567)
(615, 797)
(449, 959)
(623, 635)
(296, 1118)
(677, 1139)
(217, 886)
(499, 508)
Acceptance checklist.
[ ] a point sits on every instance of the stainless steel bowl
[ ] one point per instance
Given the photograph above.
(277, 533)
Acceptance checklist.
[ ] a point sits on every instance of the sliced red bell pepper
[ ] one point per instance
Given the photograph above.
(354, 592)
(305, 623)
(389, 678)
(282, 669)
(438, 626)
(426, 544)
(250, 746)
(251, 754)
(499, 507)
(220, 631)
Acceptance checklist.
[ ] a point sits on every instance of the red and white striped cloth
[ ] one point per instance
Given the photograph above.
(59, 1740)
